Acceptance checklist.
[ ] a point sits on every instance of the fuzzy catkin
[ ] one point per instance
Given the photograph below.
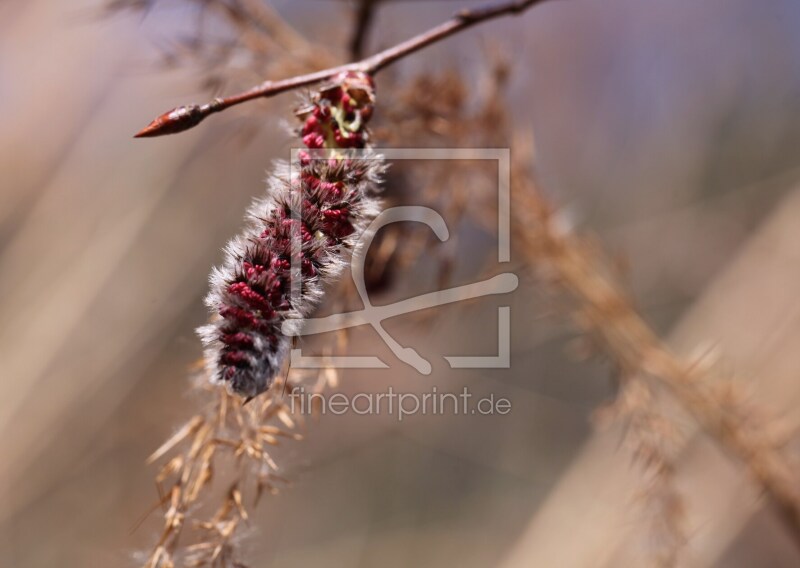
(313, 214)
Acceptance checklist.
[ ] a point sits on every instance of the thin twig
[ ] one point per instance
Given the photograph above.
(189, 116)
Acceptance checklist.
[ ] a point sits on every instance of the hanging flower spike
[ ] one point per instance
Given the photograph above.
(328, 203)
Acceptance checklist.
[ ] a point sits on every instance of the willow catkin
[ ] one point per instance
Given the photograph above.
(311, 218)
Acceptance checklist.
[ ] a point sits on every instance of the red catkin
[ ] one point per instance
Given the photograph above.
(312, 216)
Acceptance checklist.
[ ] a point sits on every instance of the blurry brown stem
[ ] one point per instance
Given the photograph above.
(364, 18)
(264, 17)
(186, 117)
(606, 310)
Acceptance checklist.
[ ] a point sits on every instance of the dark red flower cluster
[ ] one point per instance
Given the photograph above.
(337, 118)
(310, 220)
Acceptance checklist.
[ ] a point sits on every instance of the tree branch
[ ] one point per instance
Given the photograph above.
(189, 116)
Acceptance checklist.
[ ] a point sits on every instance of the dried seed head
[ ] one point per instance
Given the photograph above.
(304, 228)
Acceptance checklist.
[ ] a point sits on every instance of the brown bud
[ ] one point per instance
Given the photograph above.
(174, 121)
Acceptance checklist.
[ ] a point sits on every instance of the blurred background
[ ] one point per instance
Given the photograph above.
(671, 130)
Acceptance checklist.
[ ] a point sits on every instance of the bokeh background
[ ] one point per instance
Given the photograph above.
(671, 130)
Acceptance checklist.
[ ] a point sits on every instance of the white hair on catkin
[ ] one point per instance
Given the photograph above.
(312, 217)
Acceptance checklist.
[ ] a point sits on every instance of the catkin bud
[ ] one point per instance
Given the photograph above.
(311, 218)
